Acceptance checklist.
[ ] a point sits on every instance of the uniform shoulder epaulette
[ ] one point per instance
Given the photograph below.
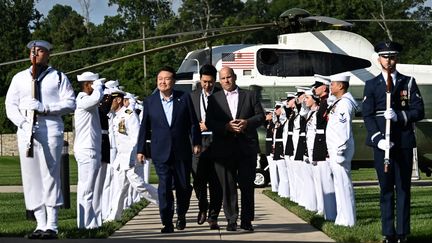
(127, 111)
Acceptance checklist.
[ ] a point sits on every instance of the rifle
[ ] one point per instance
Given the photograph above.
(388, 122)
(31, 114)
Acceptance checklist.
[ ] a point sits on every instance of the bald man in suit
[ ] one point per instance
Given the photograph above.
(234, 114)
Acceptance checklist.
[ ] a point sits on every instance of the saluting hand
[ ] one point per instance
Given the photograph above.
(140, 158)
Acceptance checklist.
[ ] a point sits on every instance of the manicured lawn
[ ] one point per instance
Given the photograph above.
(13, 221)
(368, 226)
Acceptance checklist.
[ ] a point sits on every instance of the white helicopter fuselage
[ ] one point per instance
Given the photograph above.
(274, 69)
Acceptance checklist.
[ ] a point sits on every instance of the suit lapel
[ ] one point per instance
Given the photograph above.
(159, 108)
(241, 98)
(222, 100)
(196, 100)
(176, 102)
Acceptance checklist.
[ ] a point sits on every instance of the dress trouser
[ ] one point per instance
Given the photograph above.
(177, 171)
(397, 178)
(89, 165)
(203, 172)
(241, 170)
(41, 177)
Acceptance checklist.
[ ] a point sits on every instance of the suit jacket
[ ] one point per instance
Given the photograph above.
(196, 100)
(167, 139)
(407, 103)
(226, 143)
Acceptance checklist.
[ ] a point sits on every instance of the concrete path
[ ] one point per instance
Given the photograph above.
(272, 223)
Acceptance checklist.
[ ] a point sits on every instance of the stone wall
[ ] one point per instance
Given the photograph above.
(9, 144)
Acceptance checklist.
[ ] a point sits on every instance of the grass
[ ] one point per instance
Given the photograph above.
(15, 224)
(10, 173)
(368, 226)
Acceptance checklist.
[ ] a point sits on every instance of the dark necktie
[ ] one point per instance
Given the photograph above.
(389, 82)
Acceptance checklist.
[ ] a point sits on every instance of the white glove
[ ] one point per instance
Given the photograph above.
(390, 115)
(340, 159)
(98, 83)
(25, 126)
(36, 105)
(383, 144)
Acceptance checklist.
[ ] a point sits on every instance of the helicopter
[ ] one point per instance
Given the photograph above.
(274, 69)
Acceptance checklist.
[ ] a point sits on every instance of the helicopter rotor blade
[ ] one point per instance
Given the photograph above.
(180, 44)
(328, 20)
(150, 38)
(389, 20)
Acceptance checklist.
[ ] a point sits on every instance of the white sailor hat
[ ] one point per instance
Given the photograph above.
(340, 78)
(129, 96)
(116, 92)
(87, 76)
(290, 95)
(320, 80)
(40, 43)
(112, 84)
(278, 104)
(388, 48)
(107, 91)
(309, 93)
(301, 90)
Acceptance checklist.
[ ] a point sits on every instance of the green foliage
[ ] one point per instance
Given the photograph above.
(368, 225)
(14, 223)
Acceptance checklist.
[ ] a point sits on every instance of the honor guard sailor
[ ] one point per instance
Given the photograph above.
(87, 150)
(53, 98)
(340, 144)
(406, 107)
(319, 150)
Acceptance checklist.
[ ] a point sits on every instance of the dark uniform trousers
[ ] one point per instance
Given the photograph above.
(399, 174)
(408, 105)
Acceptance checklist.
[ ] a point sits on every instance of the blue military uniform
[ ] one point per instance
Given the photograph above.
(407, 104)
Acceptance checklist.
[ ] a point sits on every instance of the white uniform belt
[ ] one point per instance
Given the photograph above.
(290, 133)
(320, 131)
(302, 134)
(279, 140)
(379, 113)
(269, 139)
(207, 133)
(105, 132)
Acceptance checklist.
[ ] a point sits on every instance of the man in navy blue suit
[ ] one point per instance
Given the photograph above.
(407, 107)
(169, 120)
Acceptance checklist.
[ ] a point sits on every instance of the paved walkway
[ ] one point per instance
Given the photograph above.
(272, 223)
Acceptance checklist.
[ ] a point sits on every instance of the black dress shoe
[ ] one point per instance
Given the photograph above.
(181, 223)
(37, 234)
(168, 228)
(202, 217)
(401, 239)
(49, 234)
(213, 225)
(231, 227)
(388, 239)
(247, 226)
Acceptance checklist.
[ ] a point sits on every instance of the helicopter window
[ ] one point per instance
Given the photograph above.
(247, 72)
(291, 63)
(194, 61)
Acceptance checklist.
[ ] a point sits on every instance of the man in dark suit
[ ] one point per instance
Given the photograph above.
(406, 108)
(203, 170)
(170, 117)
(233, 114)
